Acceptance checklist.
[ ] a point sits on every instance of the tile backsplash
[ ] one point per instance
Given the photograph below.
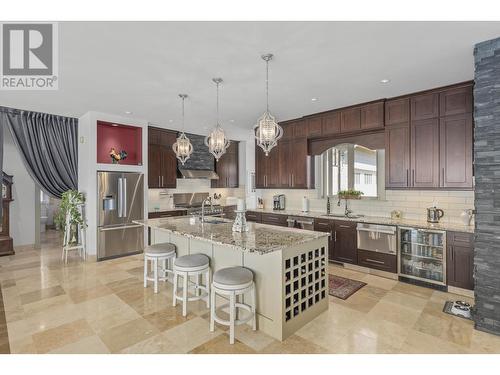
(412, 203)
(161, 199)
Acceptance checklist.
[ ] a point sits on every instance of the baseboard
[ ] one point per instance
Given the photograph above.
(460, 291)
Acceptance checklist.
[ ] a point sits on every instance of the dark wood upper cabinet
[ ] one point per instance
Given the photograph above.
(424, 159)
(425, 106)
(300, 128)
(397, 111)
(299, 163)
(350, 120)
(460, 260)
(455, 138)
(372, 116)
(331, 124)
(285, 163)
(314, 126)
(261, 167)
(162, 162)
(397, 156)
(455, 101)
(227, 168)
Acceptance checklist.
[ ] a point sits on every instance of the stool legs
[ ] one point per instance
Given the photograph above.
(208, 283)
(155, 273)
(145, 272)
(254, 308)
(184, 294)
(174, 293)
(232, 313)
(212, 310)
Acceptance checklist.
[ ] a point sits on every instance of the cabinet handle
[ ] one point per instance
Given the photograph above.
(413, 177)
(159, 181)
(374, 261)
(293, 180)
(322, 224)
(162, 184)
(442, 173)
(334, 236)
(407, 179)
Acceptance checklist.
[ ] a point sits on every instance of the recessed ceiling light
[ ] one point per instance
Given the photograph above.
(231, 120)
(170, 121)
(128, 112)
(314, 99)
(385, 80)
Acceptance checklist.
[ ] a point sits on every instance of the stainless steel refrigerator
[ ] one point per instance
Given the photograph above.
(120, 197)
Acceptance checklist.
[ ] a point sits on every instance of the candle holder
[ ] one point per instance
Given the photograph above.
(240, 222)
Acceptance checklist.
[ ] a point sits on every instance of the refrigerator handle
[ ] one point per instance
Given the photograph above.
(124, 192)
(120, 197)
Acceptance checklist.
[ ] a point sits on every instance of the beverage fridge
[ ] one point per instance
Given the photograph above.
(422, 255)
(120, 199)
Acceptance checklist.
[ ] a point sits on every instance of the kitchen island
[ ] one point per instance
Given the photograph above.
(289, 265)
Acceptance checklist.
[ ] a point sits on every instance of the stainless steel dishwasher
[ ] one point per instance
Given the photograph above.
(300, 222)
(377, 238)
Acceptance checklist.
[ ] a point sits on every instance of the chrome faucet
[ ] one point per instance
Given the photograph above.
(209, 200)
(347, 211)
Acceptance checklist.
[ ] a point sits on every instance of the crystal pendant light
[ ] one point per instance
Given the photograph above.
(267, 130)
(216, 141)
(183, 147)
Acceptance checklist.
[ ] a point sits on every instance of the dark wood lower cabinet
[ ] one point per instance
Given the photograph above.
(345, 242)
(169, 213)
(274, 219)
(379, 261)
(254, 216)
(326, 225)
(460, 260)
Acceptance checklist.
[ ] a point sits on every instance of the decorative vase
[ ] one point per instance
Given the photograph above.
(240, 222)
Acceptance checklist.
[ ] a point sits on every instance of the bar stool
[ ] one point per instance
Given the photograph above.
(191, 265)
(233, 282)
(164, 252)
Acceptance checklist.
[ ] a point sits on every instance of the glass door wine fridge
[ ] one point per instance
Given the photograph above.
(422, 255)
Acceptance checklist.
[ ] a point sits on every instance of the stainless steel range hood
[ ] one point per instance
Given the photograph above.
(197, 173)
(201, 164)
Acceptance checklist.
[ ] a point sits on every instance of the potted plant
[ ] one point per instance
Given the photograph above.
(350, 194)
(71, 201)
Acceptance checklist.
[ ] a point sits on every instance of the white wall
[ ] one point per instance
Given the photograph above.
(88, 166)
(22, 210)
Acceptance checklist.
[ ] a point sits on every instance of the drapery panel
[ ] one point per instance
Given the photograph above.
(48, 145)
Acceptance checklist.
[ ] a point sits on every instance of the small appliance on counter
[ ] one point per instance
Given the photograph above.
(279, 202)
(260, 203)
(305, 204)
(434, 214)
(396, 215)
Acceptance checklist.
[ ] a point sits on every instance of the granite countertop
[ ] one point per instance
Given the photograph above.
(260, 238)
(375, 220)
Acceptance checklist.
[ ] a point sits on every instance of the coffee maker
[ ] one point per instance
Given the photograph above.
(279, 202)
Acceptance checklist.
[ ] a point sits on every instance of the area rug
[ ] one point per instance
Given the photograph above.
(342, 287)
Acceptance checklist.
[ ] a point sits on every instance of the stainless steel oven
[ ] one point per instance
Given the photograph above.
(377, 238)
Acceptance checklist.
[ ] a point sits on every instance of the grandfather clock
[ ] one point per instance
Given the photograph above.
(6, 246)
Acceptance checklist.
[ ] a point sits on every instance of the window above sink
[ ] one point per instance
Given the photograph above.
(352, 166)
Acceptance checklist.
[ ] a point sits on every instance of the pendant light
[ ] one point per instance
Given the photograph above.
(183, 147)
(216, 141)
(267, 130)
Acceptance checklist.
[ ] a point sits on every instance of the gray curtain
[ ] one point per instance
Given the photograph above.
(1, 171)
(48, 145)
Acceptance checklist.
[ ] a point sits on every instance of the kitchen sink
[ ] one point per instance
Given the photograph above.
(344, 216)
(214, 221)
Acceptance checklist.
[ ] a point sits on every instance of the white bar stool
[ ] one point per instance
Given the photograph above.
(233, 282)
(164, 252)
(191, 265)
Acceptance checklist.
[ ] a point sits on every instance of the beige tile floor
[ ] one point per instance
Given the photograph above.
(103, 308)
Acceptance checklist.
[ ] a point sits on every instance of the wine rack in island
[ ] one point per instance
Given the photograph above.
(423, 255)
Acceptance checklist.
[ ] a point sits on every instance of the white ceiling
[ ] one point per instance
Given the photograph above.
(141, 67)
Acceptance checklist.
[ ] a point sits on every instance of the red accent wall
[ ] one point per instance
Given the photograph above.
(121, 137)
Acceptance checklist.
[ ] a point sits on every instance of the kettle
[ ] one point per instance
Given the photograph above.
(434, 214)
